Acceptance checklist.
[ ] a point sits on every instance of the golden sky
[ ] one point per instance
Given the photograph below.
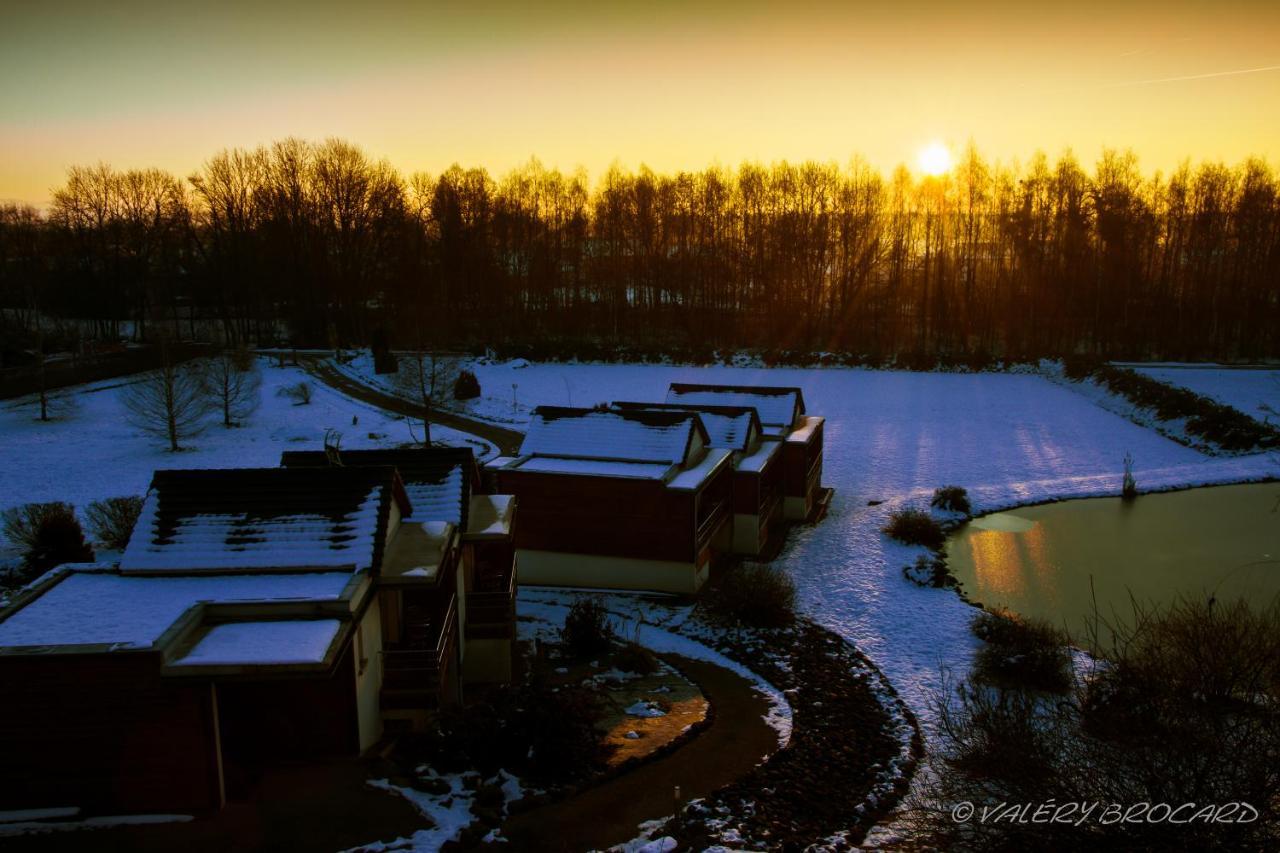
(671, 85)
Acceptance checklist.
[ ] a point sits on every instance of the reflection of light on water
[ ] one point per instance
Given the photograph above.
(1004, 522)
(1003, 562)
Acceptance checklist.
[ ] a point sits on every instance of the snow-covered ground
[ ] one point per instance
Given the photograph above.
(894, 437)
(1256, 392)
(93, 451)
(890, 436)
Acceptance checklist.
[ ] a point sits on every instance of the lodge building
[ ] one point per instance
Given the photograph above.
(256, 615)
(619, 499)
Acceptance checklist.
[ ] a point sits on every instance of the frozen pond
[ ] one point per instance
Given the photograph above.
(1050, 561)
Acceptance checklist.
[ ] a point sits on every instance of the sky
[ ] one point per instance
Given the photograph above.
(668, 85)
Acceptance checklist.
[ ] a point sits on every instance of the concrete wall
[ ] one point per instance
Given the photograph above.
(747, 536)
(488, 661)
(553, 568)
(368, 674)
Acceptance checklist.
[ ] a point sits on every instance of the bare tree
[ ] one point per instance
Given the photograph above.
(169, 402)
(427, 378)
(233, 384)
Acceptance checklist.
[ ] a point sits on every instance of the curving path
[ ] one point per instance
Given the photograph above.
(507, 440)
(601, 816)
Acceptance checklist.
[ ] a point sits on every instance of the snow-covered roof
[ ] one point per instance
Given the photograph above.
(90, 607)
(727, 426)
(419, 550)
(490, 516)
(808, 426)
(695, 476)
(285, 641)
(594, 467)
(638, 436)
(757, 459)
(779, 407)
(438, 480)
(261, 519)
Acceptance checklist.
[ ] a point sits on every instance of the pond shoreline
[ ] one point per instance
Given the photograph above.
(1040, 570)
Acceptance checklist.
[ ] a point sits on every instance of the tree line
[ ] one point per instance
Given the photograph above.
(319, 244)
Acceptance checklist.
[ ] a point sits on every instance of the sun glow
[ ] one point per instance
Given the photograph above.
(934, 159)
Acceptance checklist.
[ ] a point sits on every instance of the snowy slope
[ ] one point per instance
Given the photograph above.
(95, 452)
(1254, 392)
(894, 437)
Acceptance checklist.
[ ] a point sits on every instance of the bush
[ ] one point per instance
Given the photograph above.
(1021, 652)
(915, 528)
(930, 572)
(1080, 367)
(1182, 707)
(467, 387)
(587, 632)
(111, 520)
(299, 393)
(1207, 419)
(1128, 486)
(550, 735)
(49, 535)
(951, 498)
(634, 657)
(21, 524)
(754, 594)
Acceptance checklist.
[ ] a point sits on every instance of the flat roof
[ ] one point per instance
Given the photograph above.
(808, 426)
(757, 459)
(96, 607)
(594, 467)
(490, 516)
(418, 550)
(694, 477)
(285, 641)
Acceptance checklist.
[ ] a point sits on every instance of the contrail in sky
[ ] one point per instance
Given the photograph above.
(1197, 76)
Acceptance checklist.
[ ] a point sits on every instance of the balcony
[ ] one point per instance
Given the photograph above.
(416, 671)
(491, 605)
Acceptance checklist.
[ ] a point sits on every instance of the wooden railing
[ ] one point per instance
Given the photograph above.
(415, 677)
(492, 613)
(708, 526)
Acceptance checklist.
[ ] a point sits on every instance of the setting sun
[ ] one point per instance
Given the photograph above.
(934, 159)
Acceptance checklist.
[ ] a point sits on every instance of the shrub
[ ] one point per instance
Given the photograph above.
(21, 524)
(111, 520)
(467, 387)
(565, 739)
(634, 657)
(1020, 651)
(1080, 367)
(299, 393)
(951, 498)
(550, 735)
(754, 594)
(915, 528)
(587, 631)
(930, 572)
(50, 535)
(1129, 487)
(1207, 419)
(1181, 708)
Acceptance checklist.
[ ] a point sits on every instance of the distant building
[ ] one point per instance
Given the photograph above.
(256, 615)
(782, 419)
(757, 468)
(619, 499)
